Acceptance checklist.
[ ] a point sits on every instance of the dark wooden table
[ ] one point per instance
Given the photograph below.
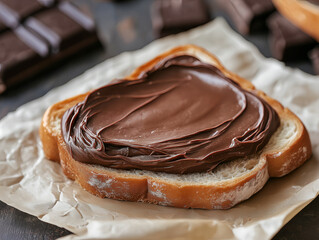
(122, 26)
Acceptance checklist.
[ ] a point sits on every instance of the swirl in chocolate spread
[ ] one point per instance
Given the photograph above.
(182, 116)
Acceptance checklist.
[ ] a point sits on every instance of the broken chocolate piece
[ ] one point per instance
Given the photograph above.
(248, 15)
(174, 16)
(288, 42)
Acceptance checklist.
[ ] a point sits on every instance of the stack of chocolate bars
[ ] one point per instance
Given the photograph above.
(35, 34)
(287, 42)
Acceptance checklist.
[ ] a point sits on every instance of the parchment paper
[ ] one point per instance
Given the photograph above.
(37, 186)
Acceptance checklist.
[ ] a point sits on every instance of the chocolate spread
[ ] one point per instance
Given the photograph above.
(182, 116)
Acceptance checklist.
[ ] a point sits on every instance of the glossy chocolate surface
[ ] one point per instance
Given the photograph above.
(183, 116)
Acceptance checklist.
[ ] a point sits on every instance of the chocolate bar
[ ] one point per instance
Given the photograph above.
(248, 15)
(20, 51)
(174, 16)
(314, 56)
(12, 12)
(43, 39)
(288, 42)
(61, 26)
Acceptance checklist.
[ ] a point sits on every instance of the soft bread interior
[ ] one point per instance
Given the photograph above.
(225, 172)
(284, 136)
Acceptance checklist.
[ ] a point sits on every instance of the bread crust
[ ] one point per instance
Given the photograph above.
(293, 155)
(303, 14)
(148, 187)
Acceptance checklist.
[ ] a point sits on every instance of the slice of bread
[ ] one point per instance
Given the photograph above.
(227, 185)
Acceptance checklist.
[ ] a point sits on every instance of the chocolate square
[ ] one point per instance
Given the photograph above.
(248, 15)
(174, 16)
(14, 11)
(20, 50)
(288, 42)
(61, 26)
